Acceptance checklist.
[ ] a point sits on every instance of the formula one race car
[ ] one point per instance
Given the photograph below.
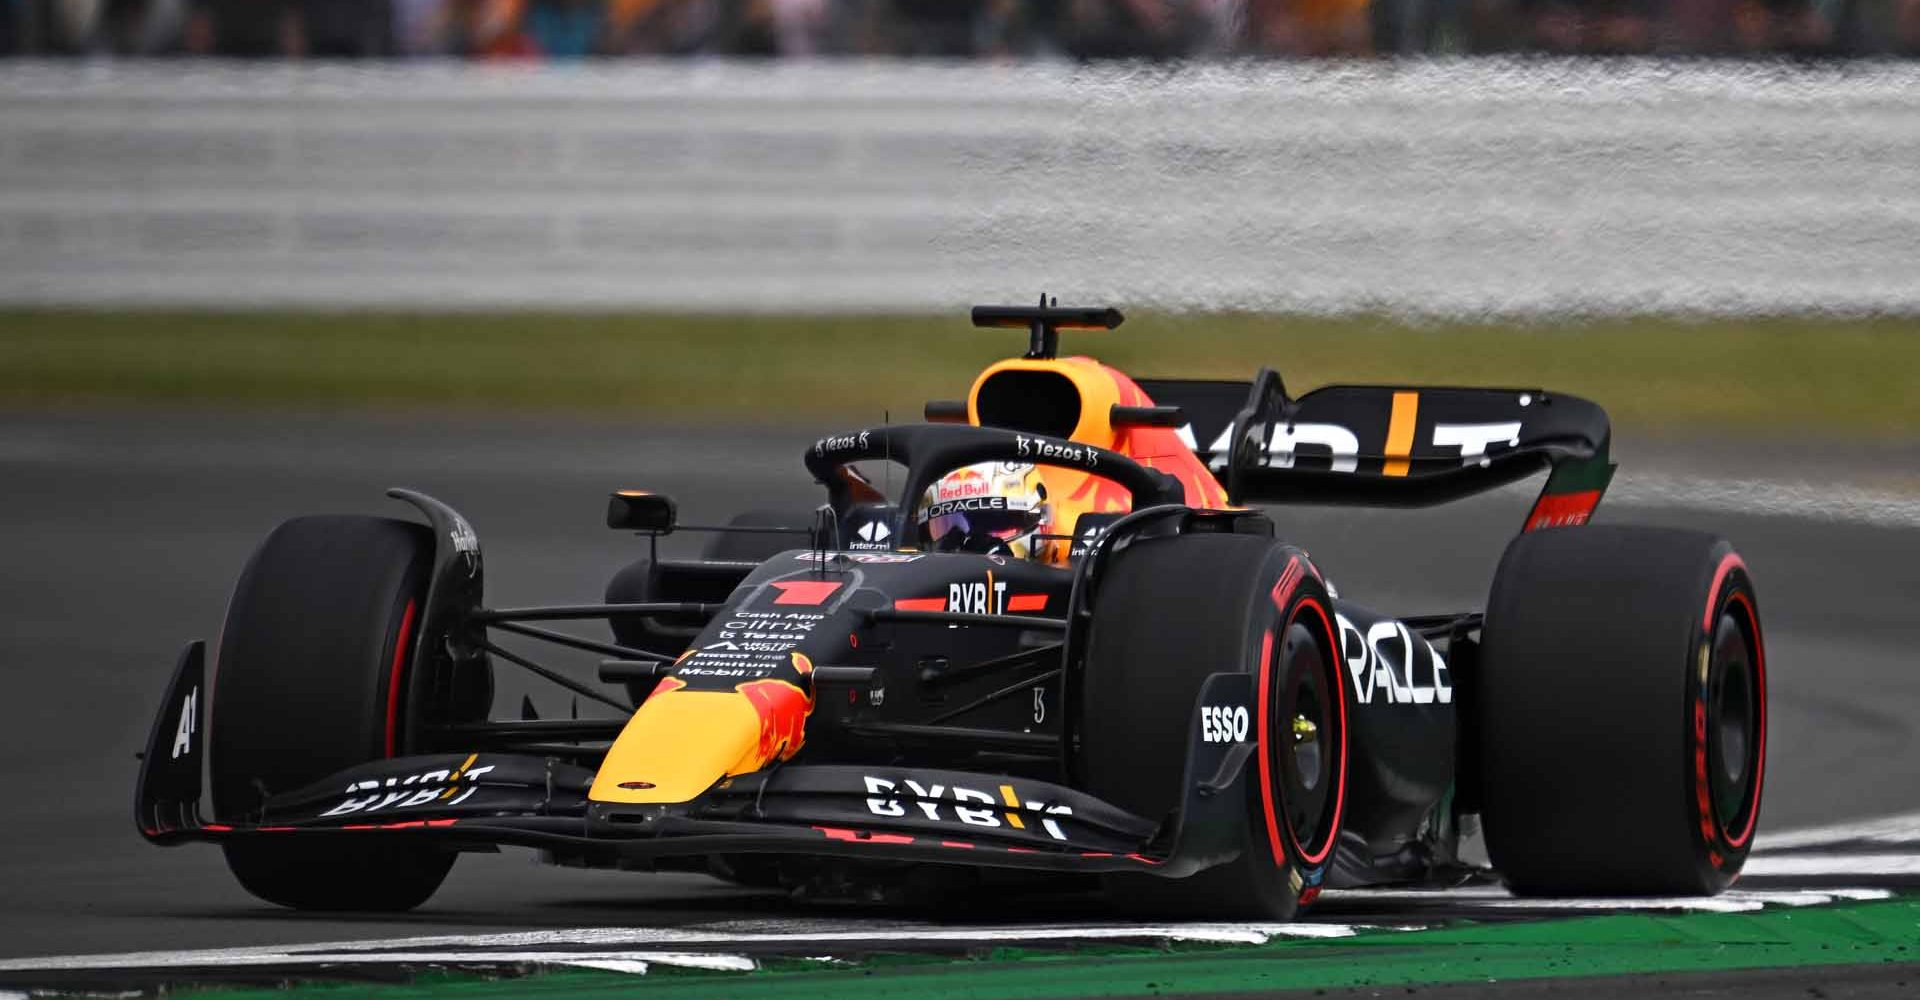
(1068, 647)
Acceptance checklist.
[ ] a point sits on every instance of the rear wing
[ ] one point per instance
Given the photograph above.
(1393, 446)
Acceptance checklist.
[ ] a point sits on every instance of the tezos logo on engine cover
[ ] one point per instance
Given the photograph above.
(1074, 454)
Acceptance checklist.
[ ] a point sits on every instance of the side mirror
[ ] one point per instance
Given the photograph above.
(638, 510)
(1146, 416)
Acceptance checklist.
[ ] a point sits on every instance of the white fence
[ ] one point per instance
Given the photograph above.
(1444, 188)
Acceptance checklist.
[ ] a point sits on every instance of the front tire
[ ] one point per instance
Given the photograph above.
(311, 679)
(1169, 612)
(1622, 712)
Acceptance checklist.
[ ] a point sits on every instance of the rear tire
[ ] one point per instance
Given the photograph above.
(1170, 612)
(1622, 712)
(311, 674)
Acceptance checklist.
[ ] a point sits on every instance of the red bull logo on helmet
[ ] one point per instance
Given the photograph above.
(962, 484)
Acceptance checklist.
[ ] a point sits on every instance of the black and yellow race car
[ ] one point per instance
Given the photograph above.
(1071, 645)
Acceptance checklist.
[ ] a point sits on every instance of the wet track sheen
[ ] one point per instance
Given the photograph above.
(121, 535)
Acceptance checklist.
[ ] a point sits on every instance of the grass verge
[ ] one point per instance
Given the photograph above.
(1766, 376)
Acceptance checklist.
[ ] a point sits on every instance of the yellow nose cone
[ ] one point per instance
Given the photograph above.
(680, 742)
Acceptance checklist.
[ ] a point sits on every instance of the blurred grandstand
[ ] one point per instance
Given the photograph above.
(997, 29)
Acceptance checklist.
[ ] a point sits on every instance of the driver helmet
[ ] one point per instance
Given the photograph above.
(987, 507)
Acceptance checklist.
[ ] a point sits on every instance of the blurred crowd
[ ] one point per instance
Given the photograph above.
(1069, 29)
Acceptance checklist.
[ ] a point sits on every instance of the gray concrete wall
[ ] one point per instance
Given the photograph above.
(1446, 188)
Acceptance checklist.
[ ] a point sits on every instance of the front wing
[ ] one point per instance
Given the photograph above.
(827, 811)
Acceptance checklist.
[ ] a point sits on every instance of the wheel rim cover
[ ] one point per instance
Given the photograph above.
(1305, 767)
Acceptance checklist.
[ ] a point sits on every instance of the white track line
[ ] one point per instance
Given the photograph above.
(598, 945)
(527, 947)
(627, 966)
(633, 961)
(610, 947)
(471, 948)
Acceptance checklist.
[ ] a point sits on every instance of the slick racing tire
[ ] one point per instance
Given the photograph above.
(1622, 713)
(311, 679)
(1169, 612)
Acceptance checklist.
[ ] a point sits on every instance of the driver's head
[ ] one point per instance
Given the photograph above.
(989, 507)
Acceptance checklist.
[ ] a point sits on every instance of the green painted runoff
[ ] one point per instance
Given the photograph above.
(1864, 933)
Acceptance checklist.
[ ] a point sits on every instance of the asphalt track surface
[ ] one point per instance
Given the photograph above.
(121, 535)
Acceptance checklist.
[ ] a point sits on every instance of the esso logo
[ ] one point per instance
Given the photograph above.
(1223, 723)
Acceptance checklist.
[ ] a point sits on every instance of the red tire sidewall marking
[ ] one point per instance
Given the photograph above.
(1282, 594)
(1739, 597)
(395, 674)
(1274, 840)
(1340, 699)
(1713, 829)
(1730, 562)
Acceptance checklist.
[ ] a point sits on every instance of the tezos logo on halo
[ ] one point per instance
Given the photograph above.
(841, 442)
